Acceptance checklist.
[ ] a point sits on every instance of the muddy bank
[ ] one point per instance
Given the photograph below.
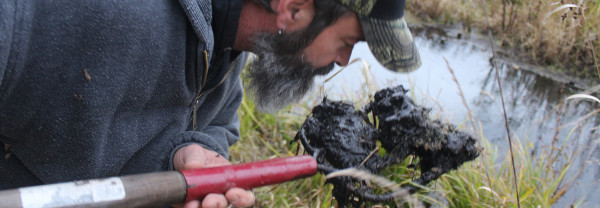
(551, 33)
(506, 57)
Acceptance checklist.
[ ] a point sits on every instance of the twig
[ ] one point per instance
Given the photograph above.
(560, 109)
(365, 69)
(512, 159)
(341, 69)
(460, 93)
(369, 156)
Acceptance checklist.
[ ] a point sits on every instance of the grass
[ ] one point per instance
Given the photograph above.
(564, 34)
(265, 136)
(543, 175)
(540, 184)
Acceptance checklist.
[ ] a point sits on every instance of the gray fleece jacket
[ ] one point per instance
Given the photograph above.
(92, 89)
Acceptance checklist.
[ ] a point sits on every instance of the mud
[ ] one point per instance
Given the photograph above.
(339, 136)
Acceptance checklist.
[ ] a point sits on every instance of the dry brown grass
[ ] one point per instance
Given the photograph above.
(545, 32)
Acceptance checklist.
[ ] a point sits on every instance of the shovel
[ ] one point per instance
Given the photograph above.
(161, 188)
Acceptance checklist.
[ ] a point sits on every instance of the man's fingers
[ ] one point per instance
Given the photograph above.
(214, 201)
(239, 197)
(195, 156)
(190, 204)
(236, 196)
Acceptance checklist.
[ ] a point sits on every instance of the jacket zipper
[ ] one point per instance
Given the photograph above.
(194, 114)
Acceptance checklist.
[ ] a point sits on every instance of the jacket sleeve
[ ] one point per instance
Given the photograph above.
(222, 131)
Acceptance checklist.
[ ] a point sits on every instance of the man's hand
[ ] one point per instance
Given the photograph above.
(195, 156)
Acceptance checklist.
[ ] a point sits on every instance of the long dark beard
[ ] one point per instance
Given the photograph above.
(280, 76)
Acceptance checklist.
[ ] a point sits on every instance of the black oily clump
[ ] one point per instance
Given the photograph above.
(348, 139)
(339, 137)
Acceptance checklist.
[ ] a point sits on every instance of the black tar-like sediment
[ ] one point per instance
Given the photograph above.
(341, 137)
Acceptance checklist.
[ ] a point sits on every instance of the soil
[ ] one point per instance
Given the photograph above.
(339, 136)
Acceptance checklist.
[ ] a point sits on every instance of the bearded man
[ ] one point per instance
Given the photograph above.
(93, 89)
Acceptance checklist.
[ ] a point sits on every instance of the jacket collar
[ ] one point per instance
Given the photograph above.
(225, 19)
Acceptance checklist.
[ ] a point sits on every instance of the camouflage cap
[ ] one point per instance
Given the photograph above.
(386, 33)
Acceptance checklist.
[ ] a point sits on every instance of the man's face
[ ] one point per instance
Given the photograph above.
(276, 79)
(335, 43)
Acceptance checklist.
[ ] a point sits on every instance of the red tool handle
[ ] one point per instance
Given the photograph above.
(201, 182)
(160, 188)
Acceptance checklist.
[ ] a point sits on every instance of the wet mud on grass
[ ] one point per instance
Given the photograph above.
(339, 137)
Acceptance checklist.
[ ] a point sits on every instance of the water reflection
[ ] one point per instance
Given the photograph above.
(533, 103)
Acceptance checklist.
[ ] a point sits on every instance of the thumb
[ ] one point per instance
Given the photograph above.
(195, 156)
(194, 160)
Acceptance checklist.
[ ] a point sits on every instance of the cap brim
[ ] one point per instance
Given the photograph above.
(391, 43)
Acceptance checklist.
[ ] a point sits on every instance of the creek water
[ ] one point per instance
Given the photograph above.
(531, 101)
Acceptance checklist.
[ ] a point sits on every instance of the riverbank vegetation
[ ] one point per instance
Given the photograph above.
(561, 33)
(486, 182)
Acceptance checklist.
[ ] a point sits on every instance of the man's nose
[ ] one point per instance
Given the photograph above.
(344, 56)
